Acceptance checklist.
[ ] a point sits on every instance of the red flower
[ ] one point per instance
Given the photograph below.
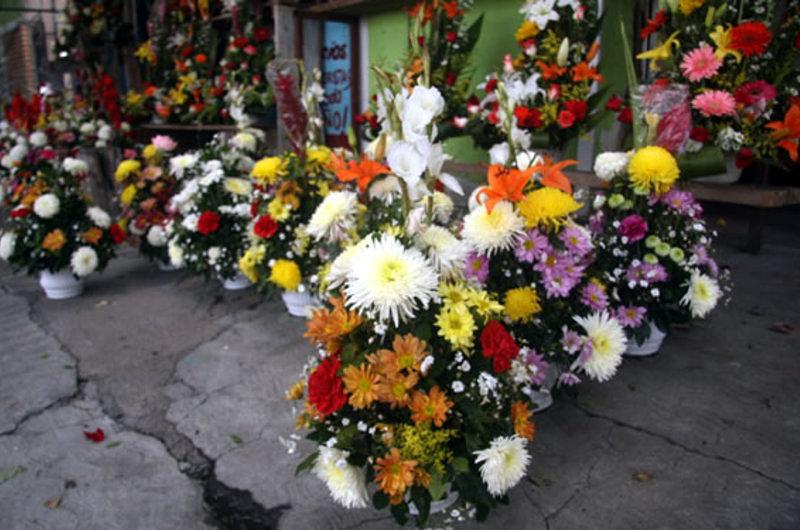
(325, 390)
(240, 42)
(473, 104)
(750, 38)
(421, 40)
(528, 117)
(744, 157)
(491, 85)
(186, 52)
(96, 436)
(117, 234)
(261, 34)
(566, 119)
(499, 346)
(700, 134)
(634, 227)
(578, 107)
(265, 227)
(200, 58)
(654, 24)
(797, 41)
(208, 223)
(625, 116)
(450, 78)
(755, 92)
(615, 103)
(451, 36)
(19, 213)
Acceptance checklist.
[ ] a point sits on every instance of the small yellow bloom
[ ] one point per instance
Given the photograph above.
(484, 304)
(125, 169)
(145, 52)
(317, 157)
(249, 261)
(151, 154)
(286, 275)
(527, 30)
(654, 169)
(456, 325)
(269, 169)
(662, 52)
(177, 96)
(722, 38)
(278, 210)
(127, 195)
(688, 7)
(521, 304)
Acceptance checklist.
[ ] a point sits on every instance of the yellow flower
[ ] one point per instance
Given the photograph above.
(521, 304)
(176, 96)
(278, 210)
(249, 261)
(237, 186)
(483, 303)
(134, 98)
(547, 207)
(687, 7)
(145, 52)
(286, 275)
(527, 30)
(653, 169)
(127, 195)
(54, 240)
(125, 169)
(722, 38)
(269, 169)
(151, 154)
(662, 52)
(456, 325)
(317, 157)
(453, 293)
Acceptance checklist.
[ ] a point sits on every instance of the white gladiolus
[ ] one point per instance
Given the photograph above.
(408, 161)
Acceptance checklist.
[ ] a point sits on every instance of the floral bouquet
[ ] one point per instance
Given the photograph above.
(653, 245)
(147, 185)
(209, 231)
(551, 83)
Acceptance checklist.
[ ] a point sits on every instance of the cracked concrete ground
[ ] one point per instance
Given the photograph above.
(189, 380)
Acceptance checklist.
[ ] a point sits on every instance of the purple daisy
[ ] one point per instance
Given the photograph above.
(531, 246)
(571, 341)
(568, 379)
(594, 296)
(477, 267)
(631, 316)
(576, 241)
(538, 367)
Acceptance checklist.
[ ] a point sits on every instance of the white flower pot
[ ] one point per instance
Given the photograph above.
(299, 304)
(238, 282)
(60, 285)
(650, 346)
(731, 175)
(436, 506)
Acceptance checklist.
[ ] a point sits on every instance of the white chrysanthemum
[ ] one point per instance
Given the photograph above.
(84, 261)
(610, 165)
(47, 206)
(334, 216)
(702, 295)
(156, 236)
(99, 217)
(175, 252)
(390, 280)
(75, 166)
(503, 463)
(340, 268)
(38, 139)
(244, 140)
(87, 128)
(345, 482)
(608, 344)
(8, 241)
(179, 164)
(446, 251)
(213, 254)
(491, 232)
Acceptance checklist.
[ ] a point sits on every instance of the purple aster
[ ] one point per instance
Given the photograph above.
(597, 222)
(568, 379)
(701, 256)
(586, 352)
(576, 241)
(571, 341)
(594, 296)
(631, 316)
(558, 284)
(477, 267)
(680, 201)
(538, 367)
(531, 246)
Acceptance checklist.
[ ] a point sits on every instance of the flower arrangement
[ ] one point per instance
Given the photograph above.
(653, 245)
(551, 83)
(85, 25)
(146, 188)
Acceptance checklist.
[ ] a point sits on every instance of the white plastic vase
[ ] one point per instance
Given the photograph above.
(650, 346)
(436, 506)
(60, 285)
(237, 283)
(299, 304)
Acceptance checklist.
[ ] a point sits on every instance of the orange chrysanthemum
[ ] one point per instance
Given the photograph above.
(93, 235)
(328, 326)
(363, 171)
(360, 382)
(54, 241)
(550, 71)
(552, 176)
(505, 184)
(408, 354)
(393, 475)
(521, 417)
(396, 389)
(432, 406)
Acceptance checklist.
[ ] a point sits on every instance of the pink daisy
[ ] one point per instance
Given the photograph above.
(715, 103)
(700, 63)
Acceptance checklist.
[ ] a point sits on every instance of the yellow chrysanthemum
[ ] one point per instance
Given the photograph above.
(521, 304)
(547, 207)
(456, 325)
(527, 30)
(127, 195)
(278, 210)
(722, 39)
(483, 303)
(151, 154)
(286, 275)
(248, 263)
(453, 293)
(125, 169)
(317, 157)
(688, 7)
(654, 169)
(237, 186)
(269, 169)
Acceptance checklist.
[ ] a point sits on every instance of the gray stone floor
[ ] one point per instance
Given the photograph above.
(187, 381)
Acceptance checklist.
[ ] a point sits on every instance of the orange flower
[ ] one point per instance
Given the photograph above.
(584, 72)
(200, 58)
(408, 355)
(550, 71)
(504, 184)
(362, 171)
(451, 9)
(54, 240)
(393, 475)
(787, 132)
(93, 235)
(432, 406)
(360, 383)
(521, 418)
(396, 389)
(593, 51)
(422, 477)
(327, 327)
(552, 176)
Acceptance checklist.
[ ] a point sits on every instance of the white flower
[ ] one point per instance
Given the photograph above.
(346, 483)
(190, 222)
(47, 206)
(526, 159)
(84, 261)
(608, 344)
(175, 254)
(389, 279)
(334, 217)
(105, 132)
(213, 254)
(340, 268)
(244, 140)
(8, 242)
(418, 111)
(503, 463)
(442, 207)
(87, 128)
(563, 51)
(75, 166)
(541, 12)
(492, 232)
(156, 236)
(179, 164)
(38, 139)
(702, 295)
(99, 217)
(610, 165)
(499, 153)
(443, 249)
(384, 189)
(408, 161)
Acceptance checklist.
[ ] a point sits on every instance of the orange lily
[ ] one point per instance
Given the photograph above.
(584, 72)
(787, 132)
(363, 171)
(593, 51)
(550, 71)
(504, 184)
(552, 176)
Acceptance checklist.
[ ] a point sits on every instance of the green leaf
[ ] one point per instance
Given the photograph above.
(400, 513)
(7, 473)
(309, 461)
(380, 500)
(460, 464)
(236, 439)
(423, 331)
(422, 500)
(349, 354)
(437, 487)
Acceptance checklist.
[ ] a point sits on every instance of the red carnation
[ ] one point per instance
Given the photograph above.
(578, 107)
(700, 134)
(566, 119)
(451, 36)
(208, 223)
(261, 34)
(19, 213)
(625, 116)
(615, 103)
(528, 117)
(744, 157)
(117, 233)
(240, 42)
(97, 436)
(325, 390)
(265, 227)
(498, 345)
(750, 38)
(634, 227)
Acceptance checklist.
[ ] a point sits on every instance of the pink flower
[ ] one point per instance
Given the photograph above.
(129, 153)
(715, 103)
(633, 227)
(163, 143)
(700, 63)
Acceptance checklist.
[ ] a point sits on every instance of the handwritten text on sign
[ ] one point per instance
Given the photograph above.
(337, 75)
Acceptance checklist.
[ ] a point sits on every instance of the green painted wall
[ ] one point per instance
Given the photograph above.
(8, 16)
(387, 43)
